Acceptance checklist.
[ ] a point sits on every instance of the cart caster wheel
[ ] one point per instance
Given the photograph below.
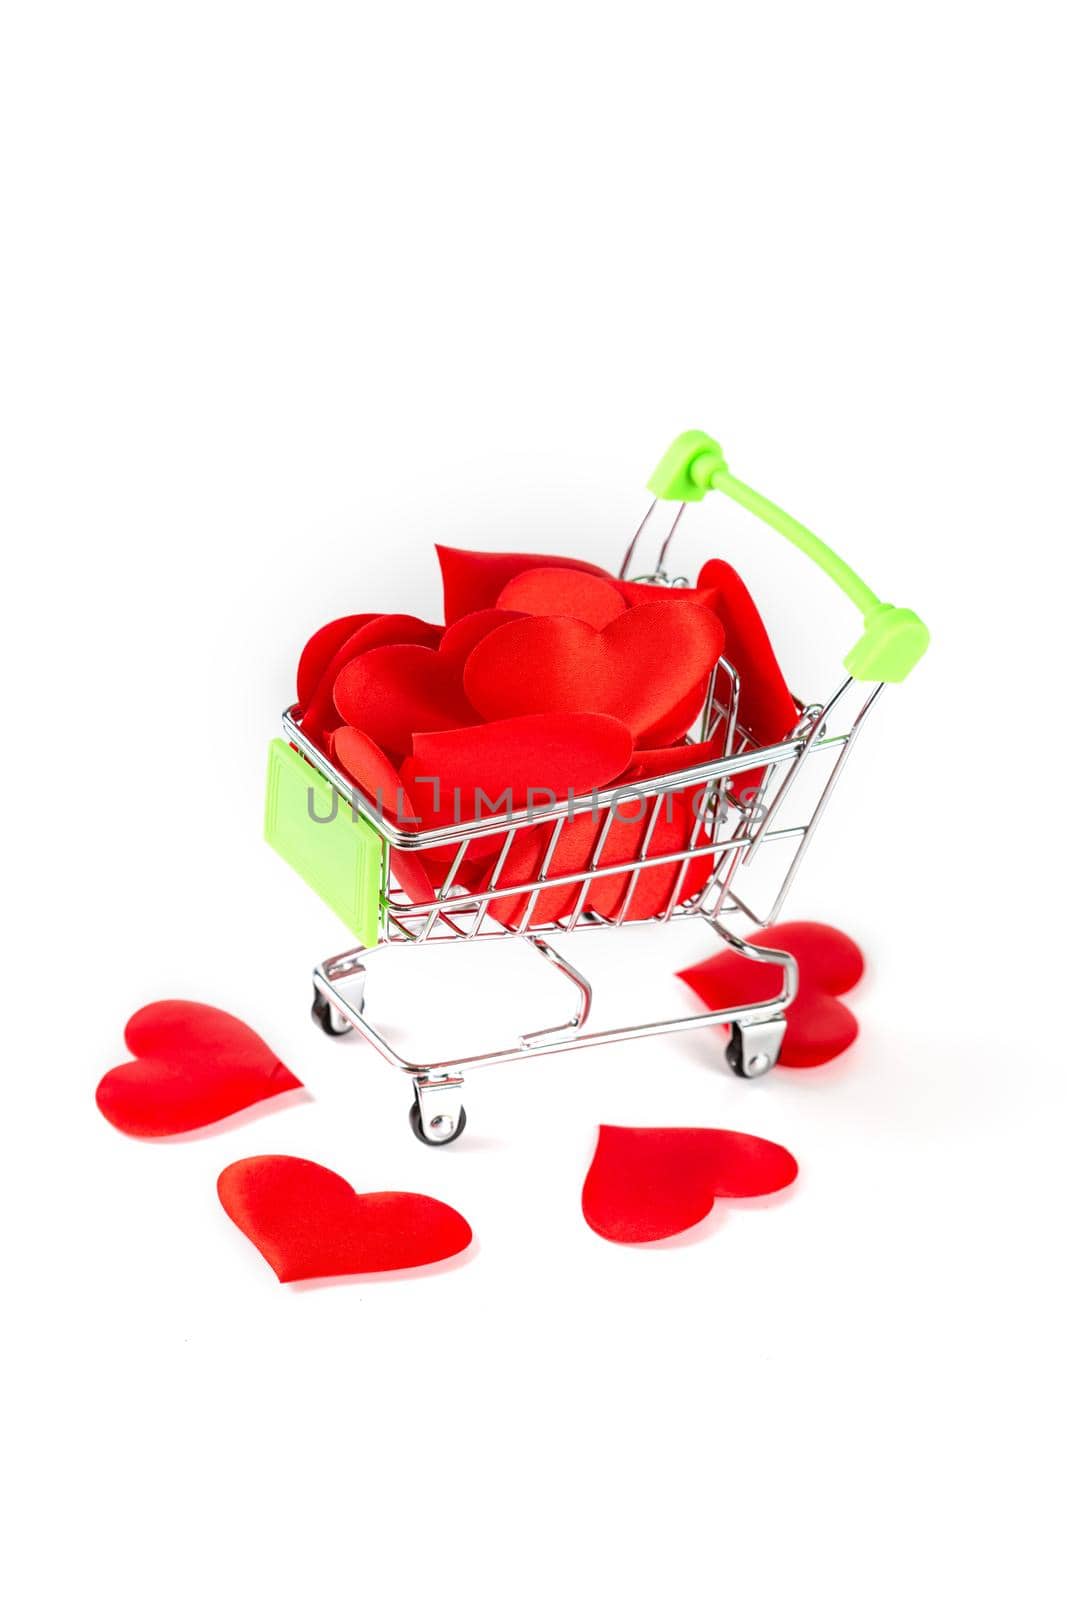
(328, 1018)
(753, 1050)
(415, 1118)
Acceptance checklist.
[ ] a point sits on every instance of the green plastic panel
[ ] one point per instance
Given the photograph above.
(335, 851)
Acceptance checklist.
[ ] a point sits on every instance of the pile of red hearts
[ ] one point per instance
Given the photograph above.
(549, 679)
(192, 1065)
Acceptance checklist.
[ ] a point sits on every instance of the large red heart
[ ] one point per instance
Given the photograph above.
(321, 715)
(817, 1026)
(193, 1064)
(513, 764)
(399, 690)
(577, 842)
(643, 668)
(562, 592)
(650, 1183)
(473, 579)
(307, 1222)
(321, 649)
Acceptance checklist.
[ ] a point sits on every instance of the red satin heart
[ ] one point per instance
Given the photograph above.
(418, 872)
(519, 761)
(371, 769)
(650, 1183)
(561, 592)
(674, 758)
(193, 1064)
(307, 1222)
(643, 668)
(321, 649)
(576, 845)
(767, 709)
(817, 1027)
(399, 690)
(461, 637)
(356, 753)
(321, 716)
(473, 579)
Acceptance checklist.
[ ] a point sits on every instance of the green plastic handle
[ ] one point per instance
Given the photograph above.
(893, 640)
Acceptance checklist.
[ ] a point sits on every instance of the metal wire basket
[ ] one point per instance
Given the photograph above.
(747, 805)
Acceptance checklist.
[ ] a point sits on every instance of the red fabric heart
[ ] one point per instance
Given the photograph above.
(643, 668)
(561, 592)
(370, 768)
(674, 758)
(576, 846)
(517, 759)
(473, 579)
(356, 753)
(193, 1064)
(673, 832)
(461, 637)
(399, 690)
(321, 649)
(649, 1183)
(321, 716)
(307, 1222)
(767, 709)
(817, 1027)
(418, 872)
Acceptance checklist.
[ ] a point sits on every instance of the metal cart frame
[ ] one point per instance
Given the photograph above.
(732, 824)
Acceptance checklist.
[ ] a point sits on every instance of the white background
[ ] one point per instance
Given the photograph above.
(290, 292)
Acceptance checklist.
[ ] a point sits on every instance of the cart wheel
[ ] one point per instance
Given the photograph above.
(328, 1018)
(753, 1050)
(415, 1118)
(735, 1051)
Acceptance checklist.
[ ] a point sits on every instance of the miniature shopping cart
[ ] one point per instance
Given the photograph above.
(739, 824)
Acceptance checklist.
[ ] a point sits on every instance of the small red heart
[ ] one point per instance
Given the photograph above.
(473, 579)
(193, 1064)
(321, 715)
(649, 1183)
(562, 592)
(643, 668)
(401, 689)
(307, 1222)
(817, 1026)
(321, 649)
